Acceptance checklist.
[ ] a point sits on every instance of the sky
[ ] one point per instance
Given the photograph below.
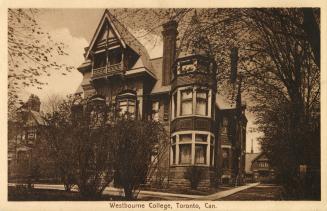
(75, 28)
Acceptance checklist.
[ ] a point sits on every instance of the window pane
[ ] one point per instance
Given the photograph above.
(187, 94)
(200, 153)
(201, 137)
(122, 103)
(131, 102)
(186, 108)
(185, 153)
(174, 154)
(201, 103)
(201, 94)
(131, 109)
(123, 109)
(187, 102)
(201, 107)
(185, 138)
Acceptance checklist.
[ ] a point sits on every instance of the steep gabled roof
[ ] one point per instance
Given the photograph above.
(249, 157)
(38, 118)
(124, 36)
(261, 155)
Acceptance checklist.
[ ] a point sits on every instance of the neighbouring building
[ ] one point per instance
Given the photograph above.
(24, 130)
(249, 157)
(177, 89)
(262, 170)
(258, 168)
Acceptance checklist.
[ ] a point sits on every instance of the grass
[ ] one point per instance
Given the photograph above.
(258, 193)
(189, 191)
(24, 194)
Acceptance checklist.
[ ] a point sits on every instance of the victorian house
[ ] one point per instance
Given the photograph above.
(23, 136)
(258, 168)
(177, 89)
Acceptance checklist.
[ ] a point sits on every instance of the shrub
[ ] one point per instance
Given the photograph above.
(194, 174)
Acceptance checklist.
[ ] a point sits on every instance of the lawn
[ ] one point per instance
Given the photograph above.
(258, 193)
(23, 194)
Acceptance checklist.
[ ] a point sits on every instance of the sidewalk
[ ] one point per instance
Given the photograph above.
(225, 193)
(155, 194)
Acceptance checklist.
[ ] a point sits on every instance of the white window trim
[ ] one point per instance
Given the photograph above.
(178, 103)
(208, 143)
(226, 146)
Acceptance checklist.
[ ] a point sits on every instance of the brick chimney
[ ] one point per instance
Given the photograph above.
(169, 34)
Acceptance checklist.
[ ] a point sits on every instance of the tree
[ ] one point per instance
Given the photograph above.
(77, 134)
(52, 103)
(283, 75)
(58, 135)
(31, 54)
(88, 145)
(279, 62)
(135, 142)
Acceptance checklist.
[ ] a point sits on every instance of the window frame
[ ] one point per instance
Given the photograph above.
(155, 113)
(188, 100)
(128, 105)
(199, 99)
(209, 146)
(177, 102)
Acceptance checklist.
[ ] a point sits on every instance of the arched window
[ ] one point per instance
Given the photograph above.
(96, 109)
(126, 103)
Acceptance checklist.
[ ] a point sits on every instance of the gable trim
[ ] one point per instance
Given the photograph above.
(97, 31)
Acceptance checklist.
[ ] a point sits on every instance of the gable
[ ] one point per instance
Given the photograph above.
(261, 157)
(110, 27)
(106, 33)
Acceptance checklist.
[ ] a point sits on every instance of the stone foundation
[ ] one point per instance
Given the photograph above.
(178, 178)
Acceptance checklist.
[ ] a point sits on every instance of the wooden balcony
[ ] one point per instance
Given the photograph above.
(108, 71)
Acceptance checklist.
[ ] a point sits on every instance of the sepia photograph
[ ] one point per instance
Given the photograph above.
(163, 104)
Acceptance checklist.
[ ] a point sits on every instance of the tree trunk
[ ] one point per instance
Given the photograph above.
(128, 190)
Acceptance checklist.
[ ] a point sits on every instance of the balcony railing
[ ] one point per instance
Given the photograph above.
(107, 71)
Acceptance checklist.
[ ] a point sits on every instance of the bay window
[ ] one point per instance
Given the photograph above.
(191, 101)
(192, 148)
